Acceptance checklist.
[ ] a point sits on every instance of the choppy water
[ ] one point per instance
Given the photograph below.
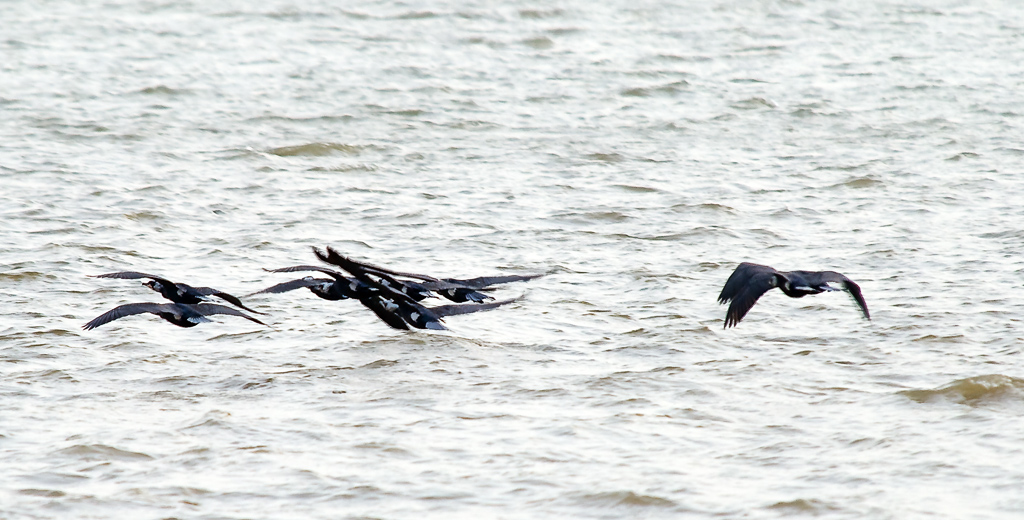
(633, 151)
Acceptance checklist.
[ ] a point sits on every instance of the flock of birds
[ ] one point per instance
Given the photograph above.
(395, 296)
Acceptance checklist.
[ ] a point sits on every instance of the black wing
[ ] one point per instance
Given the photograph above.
(361, 270)
(462, 290)
(132, 275)
(745, 285)
(483, 282)
(209, 291)
(454, 310)
(376, 304)
(129, 309)
(373, 269)
(346, 263)
(308, 281)
(207, 309)
(848, 284)
(299, 268)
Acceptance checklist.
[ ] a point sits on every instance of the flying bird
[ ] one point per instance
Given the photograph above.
(178, 292)
(180, 314)
(749, 281)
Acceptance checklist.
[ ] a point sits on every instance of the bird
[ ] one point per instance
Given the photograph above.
(178, 292)
(180, 314)
(454, 289)
(341, 287)
(749, 281)
(394, 306)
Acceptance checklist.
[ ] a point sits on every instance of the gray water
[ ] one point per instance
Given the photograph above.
(633, 152)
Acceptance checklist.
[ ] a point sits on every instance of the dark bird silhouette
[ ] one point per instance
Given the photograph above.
(178, 292)
(455, 289)
(180, 314)
(341, 287)
(749, 281)
(394, 306)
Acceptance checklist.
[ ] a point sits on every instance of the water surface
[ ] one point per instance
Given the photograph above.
(633, 152)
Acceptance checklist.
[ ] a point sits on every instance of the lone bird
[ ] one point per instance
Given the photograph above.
(180, 314)
(749, 281)
(178, 292)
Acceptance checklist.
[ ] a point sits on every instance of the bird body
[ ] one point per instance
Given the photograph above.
(750, 281)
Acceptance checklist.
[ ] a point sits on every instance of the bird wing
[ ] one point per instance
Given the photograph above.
(233, 300)
(744, 287)
(483, 282)
(479, 283)
(308, 281)
(848, 285)
(128, 309)
(453, 310)
(373, 269)
(740, 279)
(206, 309)
(362, 271)
(854, 290)
(376, 304)
(299, 268)
(132, 275)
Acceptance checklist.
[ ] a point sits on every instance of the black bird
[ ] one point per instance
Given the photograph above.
(395, 307)
(178, 292)
(454, 289)
(749, 281)
(180, 314)
(340, 288)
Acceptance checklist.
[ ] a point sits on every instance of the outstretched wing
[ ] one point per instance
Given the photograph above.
(300, 268)
(454, 310)
(461, 290)
(207, 309)
(483, 282)
(848, 285)
(308, 281)
(375, 269)
(132, 275)
(743, 288)
(376, 304)
(362, 271)
(352, 266)
(210, 291)
(128, 309)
